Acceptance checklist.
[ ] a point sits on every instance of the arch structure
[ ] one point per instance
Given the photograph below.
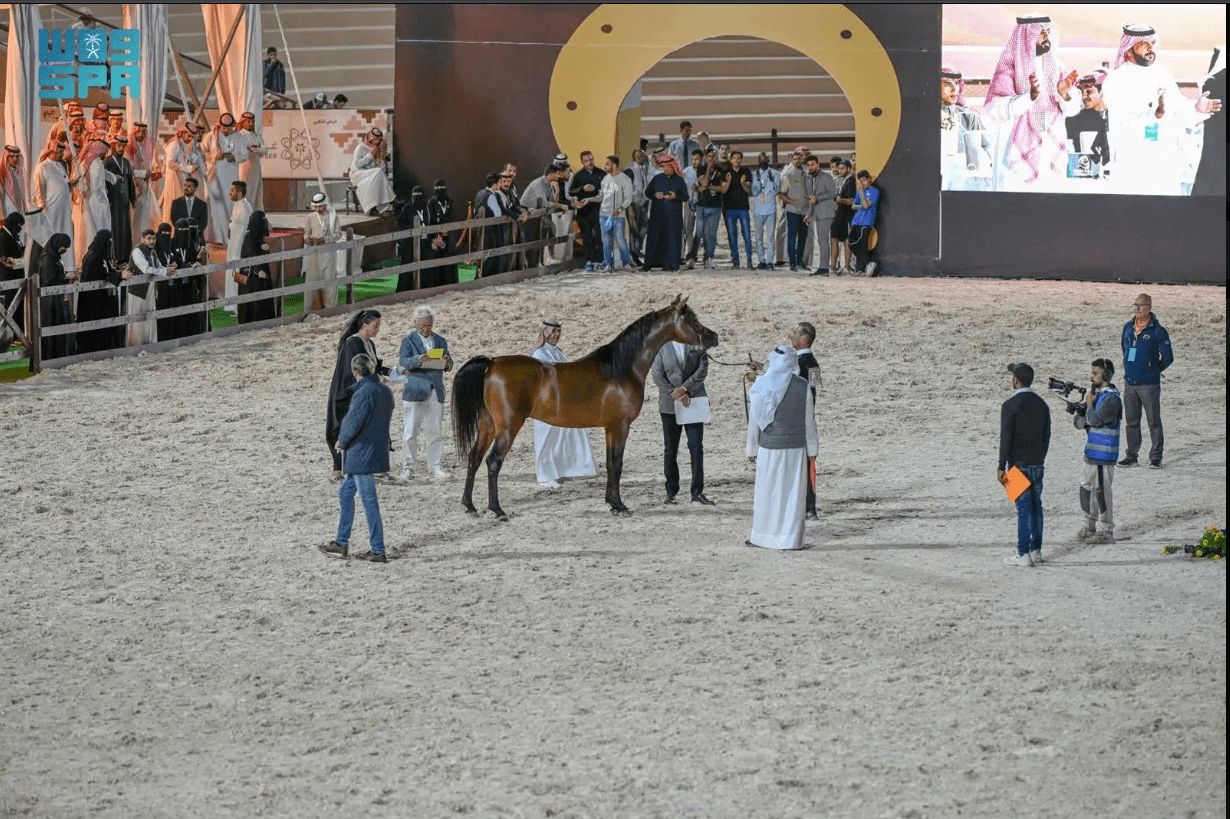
(613, 48)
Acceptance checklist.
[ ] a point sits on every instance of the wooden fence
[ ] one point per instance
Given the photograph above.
(29, 292)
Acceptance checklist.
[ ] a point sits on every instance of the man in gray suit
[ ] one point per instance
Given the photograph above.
(679, 371)
(423, 396)
(822, 203)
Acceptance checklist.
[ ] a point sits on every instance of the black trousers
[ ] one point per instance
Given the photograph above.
(811, 486)
(858, 243)
(671, 433)
(591, 233)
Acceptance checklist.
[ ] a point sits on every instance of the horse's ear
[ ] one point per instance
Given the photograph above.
(684, 303)
(676, 301)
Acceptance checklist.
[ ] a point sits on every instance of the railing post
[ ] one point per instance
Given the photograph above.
(773, 144)
(34, 332)
(349, 265)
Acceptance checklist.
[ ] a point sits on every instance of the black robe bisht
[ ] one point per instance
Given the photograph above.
(1211, 172)
(412, 215)
(254, 245)
(440, 212)
(94, 305)
(664, 239)
(170, 292)
(341, 389)
(122, 195)
(54, 310)
(11, 248)
(187, 252)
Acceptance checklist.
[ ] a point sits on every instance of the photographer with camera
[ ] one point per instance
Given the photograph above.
(1099, 417)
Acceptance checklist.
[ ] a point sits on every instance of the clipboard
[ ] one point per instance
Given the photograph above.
(1016, 484)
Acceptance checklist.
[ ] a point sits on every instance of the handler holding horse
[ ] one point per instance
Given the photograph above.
(492, 397)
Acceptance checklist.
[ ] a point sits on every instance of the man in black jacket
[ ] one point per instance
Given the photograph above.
(801, 338)
(190, 206)
(1024, 437)
(585, 190)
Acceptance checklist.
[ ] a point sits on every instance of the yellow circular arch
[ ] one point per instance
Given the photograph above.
(617, 44)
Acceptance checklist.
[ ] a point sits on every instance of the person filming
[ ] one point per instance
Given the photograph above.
(1102, 413)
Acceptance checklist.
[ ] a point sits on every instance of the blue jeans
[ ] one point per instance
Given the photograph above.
(735, 219)
(366, 487)
(706, 229)
(619, 235)
(796, 238)
(1029, 513)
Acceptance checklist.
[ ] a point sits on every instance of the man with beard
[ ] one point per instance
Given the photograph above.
(965, 147)
(142, 298)
(1149, 117)
(766, 182)
(146, 171)
(322, 227)
(640, 172)
(53, 192)
(586, 193)
(190, 206)
(251, 147)
(1088, 128)
(542, 194)
(241, 215)
(490, 203)
(221, 149)
(121, 194)
(13, 188)
(667, 193)
(1030, 97)
(183, 160)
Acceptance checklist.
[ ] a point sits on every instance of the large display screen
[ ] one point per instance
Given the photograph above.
(1077, 98)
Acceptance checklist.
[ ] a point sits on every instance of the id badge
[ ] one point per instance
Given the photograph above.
(1151, 132)
(1131, 354)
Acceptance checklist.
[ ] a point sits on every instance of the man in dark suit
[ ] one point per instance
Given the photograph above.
(679, 371)
(189, 206)
(364, 444)
(801, 338)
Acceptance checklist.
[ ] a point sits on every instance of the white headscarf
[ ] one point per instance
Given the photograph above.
(770, 388)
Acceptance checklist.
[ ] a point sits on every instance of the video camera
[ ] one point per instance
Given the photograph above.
(1065, 388)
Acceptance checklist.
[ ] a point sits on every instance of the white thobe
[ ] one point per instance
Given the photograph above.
(241, 211)
(18, 201)
(560, 452)
(93, 212)
(367, 175)
(53, 194)
(1146, 152)
(780, 499)
(143, 332)
(182, 161)
(322, 267)
(146, 209)
(250, 163)
(222, 172)
(1000, 116)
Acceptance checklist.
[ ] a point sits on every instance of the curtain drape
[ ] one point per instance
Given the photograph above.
(22, 107)
(240, 83)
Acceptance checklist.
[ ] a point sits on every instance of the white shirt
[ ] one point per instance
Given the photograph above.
(428, 342)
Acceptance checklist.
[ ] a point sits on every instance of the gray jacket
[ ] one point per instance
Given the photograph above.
(824, 188)
(669, 372)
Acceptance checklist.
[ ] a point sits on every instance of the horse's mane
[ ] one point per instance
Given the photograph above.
(616, 358)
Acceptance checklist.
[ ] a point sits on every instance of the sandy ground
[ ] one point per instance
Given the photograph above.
(175, 645)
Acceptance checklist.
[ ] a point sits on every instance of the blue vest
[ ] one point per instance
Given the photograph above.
(1102, 443)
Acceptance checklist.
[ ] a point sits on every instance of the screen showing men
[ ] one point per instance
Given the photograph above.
(1084, 99)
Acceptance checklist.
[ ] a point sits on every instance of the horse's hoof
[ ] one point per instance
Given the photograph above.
(622, 513)
(500, 515)
(471, 511)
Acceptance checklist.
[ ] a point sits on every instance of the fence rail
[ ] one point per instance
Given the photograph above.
(33, 293)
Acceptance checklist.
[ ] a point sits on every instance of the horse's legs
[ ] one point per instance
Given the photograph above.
(486, 432)
(503, 443)
(616, 437)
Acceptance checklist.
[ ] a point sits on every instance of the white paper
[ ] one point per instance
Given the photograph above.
(696, 412)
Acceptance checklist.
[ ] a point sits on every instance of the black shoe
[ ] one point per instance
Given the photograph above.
(700, 498)
(794, 268)
(779, 264)
(670, 501)
(372, 558)
(821, 271)
(763, 266)
(812, 516)
(1129, 461)
(335, 549)
(644, 268)
(1155, 464)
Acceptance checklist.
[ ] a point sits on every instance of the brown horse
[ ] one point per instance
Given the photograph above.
(492, 397)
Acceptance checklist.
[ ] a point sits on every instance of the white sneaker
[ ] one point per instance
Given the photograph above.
(405, 475)
(1022, 561)
(871, 269)
(438, 472)
(1036, 557)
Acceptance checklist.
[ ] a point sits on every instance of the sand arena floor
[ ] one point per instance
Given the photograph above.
(175, 645)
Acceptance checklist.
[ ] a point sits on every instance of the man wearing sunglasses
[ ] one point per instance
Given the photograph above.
(1146, 353)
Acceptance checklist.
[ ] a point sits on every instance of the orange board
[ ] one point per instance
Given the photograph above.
(1016, 483)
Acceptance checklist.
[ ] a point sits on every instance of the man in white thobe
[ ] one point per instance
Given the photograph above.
(321, 228)
(145, 173)
(53, 193)
(559, 452)
(13, 188)
(144, 261)
(251, 147)
(781, 435)
(1148, 118)
(241, 211)
(372, 187)
(221, 150)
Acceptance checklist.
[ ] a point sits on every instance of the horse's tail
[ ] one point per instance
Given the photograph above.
(468, 400)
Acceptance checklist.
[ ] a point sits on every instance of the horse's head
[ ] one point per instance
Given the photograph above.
(687, 327)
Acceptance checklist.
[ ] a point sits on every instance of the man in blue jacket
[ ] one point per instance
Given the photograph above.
(1146, 353)
(364, 444)
(423, 396)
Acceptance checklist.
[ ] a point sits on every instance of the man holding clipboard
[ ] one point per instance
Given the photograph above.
(679, 371)
(1024, 438)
